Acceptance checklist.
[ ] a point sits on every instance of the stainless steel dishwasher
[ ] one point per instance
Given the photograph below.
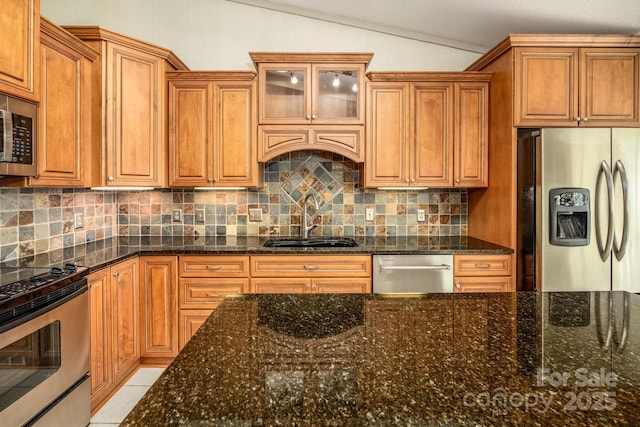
(415, 274)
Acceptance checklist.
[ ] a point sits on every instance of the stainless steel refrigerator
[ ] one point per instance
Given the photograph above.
(579, 209)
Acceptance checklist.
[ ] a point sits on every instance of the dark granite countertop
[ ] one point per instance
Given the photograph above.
(101, 253)
(438, 359)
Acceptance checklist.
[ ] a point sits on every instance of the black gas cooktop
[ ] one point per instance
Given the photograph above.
(27, 288)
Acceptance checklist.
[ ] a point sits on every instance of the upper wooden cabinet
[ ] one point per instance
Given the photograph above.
(426, 130)
(20, 53)
(128, 109)
(65, 109)
(576, 87)
(212, 129)
(311, 101)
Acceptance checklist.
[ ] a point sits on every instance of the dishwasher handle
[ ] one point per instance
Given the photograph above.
(415, 267)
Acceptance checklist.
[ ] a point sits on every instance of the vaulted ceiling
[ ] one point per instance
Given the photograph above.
(474, 25)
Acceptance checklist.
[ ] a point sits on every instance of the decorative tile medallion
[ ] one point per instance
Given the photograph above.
(311, 178)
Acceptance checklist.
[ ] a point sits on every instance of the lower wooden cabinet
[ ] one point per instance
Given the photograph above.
(115, 342)
(483, 273)
(158, 306)
(204, 281)
(310, 274)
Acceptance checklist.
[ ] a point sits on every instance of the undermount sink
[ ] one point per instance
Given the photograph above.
(313, 242)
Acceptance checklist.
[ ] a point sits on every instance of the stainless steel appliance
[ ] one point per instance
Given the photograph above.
(44, 346)
(18, 130)
(572, 184)
(415, 274)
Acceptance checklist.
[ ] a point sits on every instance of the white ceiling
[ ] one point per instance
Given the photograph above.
(474, 25)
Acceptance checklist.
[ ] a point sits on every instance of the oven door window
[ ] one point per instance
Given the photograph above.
(28, 362)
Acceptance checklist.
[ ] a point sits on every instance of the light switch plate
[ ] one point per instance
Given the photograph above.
(421, 215)
(200, 215)
(177, 215)
(369, 214)
(255, 215)
(78, 220)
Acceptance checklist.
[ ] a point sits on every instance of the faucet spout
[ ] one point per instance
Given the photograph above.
(305, 227)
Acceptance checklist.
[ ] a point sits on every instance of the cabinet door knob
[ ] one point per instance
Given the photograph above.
(458, 286)
(313, 116)
(413, 180)
(584, 119)
(406, 180)
(116, 274)
(307, 287)
(110, 178)
(308, 117)
(457, 180)
(578, 119)
(314, 286)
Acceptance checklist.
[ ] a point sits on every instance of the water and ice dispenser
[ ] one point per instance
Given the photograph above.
(569, 216)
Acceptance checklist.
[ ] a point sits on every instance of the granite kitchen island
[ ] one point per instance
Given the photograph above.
(435, 359)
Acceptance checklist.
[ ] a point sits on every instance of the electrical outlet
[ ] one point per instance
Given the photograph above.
(421, 215)
(369, 214)
(200, 215)
(255, 215)
(78, 220)
(177, 215)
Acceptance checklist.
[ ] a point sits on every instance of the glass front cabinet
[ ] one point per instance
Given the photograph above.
(310, 88)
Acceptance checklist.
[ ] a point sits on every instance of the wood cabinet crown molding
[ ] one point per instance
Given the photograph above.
(422, 76)
(312, 57)
(61, 35)
(95, 33)
(554, 40)
(211, 75)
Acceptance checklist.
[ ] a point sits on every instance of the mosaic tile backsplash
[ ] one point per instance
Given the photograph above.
(34, 221)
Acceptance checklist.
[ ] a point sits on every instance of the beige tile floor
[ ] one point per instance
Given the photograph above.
(114, 411)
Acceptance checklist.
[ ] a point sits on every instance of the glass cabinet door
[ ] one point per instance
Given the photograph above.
(285, 94)
(306, 93)
(337, 96)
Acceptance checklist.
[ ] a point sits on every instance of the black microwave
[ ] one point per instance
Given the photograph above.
(18, 129)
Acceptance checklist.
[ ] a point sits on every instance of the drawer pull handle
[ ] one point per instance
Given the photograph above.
(214, 295)
(458, 286)
(214, 267)
(483, 265)
(311, 267)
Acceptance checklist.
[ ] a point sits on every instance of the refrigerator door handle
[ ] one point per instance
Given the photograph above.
(620, 345)
(621, 249)
(605, 171)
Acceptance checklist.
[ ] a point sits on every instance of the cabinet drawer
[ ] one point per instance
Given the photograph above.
(214, 266)
(207, 293)
(281, 286)
(310, 266)
(482, 284)
(482, 265)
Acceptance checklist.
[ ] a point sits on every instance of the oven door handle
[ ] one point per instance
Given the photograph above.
(415, 267)
(82, 288)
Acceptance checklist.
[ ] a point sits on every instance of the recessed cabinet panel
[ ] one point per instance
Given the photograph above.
(547, 86)
(134, 156)
(64, 150)
(387, 134)
(470, 148)
(432, 154)
(189, 131)
(20, 53)
(610, 86)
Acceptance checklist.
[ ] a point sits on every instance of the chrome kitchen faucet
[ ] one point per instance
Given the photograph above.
(307, 228)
